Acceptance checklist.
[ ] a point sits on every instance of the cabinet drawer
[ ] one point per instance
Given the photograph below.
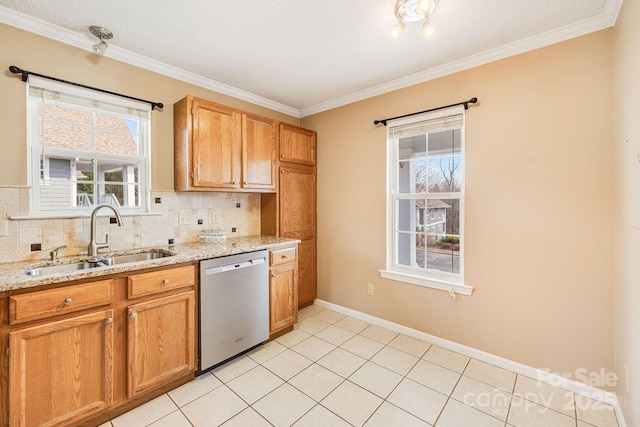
(160, 281)
(52, 302)
(282, 256)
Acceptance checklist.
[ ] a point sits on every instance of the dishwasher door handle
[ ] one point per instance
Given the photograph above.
(233, 266)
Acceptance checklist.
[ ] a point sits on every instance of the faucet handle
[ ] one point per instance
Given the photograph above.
(54, 253)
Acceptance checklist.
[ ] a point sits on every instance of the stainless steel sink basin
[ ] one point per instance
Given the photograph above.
(43, 270)
(62, 268)
(142, 256)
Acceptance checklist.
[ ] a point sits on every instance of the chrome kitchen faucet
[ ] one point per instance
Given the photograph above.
(94, 246)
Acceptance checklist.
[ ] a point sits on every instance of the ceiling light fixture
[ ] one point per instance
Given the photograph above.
(414, 11)
(103, 34)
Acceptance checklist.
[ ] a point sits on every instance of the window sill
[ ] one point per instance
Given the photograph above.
(427, 282)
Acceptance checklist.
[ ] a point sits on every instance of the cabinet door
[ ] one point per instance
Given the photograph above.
(216, 146)
(160, 341)
(61, 372)
(283, 299)
(307, 272)
(297, 202)
(258, 153)
(297, 145)
(298, 221)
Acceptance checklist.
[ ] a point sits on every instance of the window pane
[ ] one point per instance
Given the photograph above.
(428, 252)
(118, 183)
(445, 168)
(410, 252)
(412, 170)
(61, 135)
(437, 216)
(121, 172)
(427, 234)
(64, 127)
(119, 195)
(443, 216)
(84, 195)
(116, 135)
(443, 253)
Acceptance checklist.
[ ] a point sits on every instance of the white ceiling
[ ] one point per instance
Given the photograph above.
(305, 56)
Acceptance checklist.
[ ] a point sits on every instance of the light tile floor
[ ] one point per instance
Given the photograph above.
(333, 370)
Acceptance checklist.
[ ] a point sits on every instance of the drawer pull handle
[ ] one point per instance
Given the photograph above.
(133, 315)
(165, 282)
(67, 301)
(284, 257)
(282, 156)
(108, 320)
(273, 275)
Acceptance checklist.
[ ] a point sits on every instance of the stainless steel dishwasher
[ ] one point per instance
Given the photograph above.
(234, 306)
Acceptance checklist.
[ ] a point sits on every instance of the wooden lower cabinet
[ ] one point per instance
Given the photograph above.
(307, 272)
(84, 367)
(283, 290)
(61, 372)
(160, 341)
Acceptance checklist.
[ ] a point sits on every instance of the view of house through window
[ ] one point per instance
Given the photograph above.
(426, 196)
(429, 227)
(86, 152)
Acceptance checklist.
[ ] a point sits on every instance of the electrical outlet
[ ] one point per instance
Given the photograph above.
(370, 289)
(184, 217)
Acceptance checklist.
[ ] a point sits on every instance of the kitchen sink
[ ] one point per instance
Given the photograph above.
(142, 256)
(70, 267)
(62, 268)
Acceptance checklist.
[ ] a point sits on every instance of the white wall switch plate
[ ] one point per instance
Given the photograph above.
(4, 227)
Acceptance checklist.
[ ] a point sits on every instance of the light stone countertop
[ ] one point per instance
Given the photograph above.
(12, 275)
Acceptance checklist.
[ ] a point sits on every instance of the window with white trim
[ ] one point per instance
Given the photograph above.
(86, 148)
(425, 200)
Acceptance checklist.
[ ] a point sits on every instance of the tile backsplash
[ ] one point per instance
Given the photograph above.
(176, 217)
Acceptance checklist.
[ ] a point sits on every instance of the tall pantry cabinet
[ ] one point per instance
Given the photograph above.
(297, 203)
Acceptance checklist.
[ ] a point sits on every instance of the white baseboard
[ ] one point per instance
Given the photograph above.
(510, 365)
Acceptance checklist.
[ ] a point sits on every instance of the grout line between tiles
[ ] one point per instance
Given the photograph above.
(403, 377)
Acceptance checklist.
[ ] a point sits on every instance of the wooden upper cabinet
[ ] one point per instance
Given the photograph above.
(218, 148)
(216, 153)
(259, 138)
(297, 145)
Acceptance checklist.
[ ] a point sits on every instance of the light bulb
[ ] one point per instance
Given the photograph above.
(397, 30)
(428, 29)
(424, 6)
(100, 48)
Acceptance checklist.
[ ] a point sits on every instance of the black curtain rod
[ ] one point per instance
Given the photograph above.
(465, 103)
(25, 76)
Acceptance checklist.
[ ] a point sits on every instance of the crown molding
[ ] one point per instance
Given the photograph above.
(37, 26)
(63, 35)
(605, 20)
